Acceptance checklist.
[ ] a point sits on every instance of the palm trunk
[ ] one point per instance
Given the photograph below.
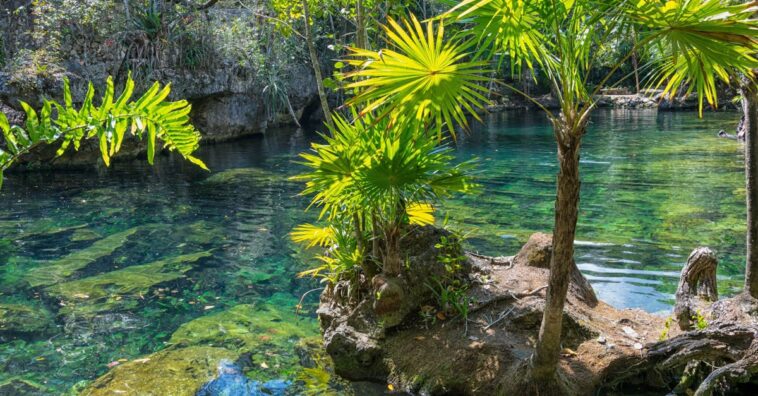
(316, 65)
(548, 347)
(750, 105)
(361, 32)
(635, 65)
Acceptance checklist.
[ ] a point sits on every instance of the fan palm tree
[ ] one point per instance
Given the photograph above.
(375, 179)
(698, 42)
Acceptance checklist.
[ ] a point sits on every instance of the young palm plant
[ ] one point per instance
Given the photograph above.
(374, 180)
(698, 40)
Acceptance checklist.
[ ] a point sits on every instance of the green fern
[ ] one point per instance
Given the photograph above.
(150, 117)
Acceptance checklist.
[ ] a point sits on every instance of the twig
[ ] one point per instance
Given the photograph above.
(508, 296)
(502, 316)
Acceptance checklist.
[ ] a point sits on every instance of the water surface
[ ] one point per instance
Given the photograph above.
(116, 261)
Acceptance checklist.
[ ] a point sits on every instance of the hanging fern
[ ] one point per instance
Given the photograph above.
(150, 117)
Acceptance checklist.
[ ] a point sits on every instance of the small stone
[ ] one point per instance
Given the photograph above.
(630, 332)
(601, 340)
(473, 338)
(637, 346)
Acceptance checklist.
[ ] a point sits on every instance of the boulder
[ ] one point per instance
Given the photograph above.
(353, 330)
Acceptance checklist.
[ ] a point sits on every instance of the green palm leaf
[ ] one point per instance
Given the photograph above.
(700, 42)
(423, 79)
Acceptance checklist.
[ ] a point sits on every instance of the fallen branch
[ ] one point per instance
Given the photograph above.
(506, 297)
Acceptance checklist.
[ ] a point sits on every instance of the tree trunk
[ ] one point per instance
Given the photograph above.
(750, 100)
(316, 65)
(361, 31)
(698, 280)
(548, 348)
(393, 261)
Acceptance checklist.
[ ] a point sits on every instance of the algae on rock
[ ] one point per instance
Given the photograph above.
(246, 327)
(63, 268)
(237, 176)
(267, 333)
(172, 371)
(20, 318)
(121, 288)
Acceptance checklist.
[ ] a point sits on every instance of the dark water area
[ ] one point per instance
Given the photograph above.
(120, 263)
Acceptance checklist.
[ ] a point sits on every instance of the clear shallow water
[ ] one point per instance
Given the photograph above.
(114, 263)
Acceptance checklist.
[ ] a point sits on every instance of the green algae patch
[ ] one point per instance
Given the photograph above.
(242, 175)
(172, 371)
(84, 234)
(21, 386)
(120, 289)
(268, 333)
(53, 272)
(20, 318)
(246, 327)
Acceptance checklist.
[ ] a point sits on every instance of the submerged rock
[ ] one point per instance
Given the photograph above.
(231, 381)
(246, 327)
(20, 386)
(173, 371)
(234, 177)
(58, 270)
(119, 289)
(24, 319)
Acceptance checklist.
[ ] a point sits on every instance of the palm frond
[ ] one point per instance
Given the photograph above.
(423, 78)
(700, 42)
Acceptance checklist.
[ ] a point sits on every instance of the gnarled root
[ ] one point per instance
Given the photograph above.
(733, 346)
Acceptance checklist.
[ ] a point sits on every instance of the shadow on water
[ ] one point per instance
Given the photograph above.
(117, 264)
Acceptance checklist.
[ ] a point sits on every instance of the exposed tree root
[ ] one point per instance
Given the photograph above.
(733, 347)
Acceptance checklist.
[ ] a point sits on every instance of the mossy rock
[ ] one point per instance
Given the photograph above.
(20, 386)
(19, 318)
(241, 175)
(247, 327)
(58, 270)
(84, 234)
(120, 289)
(266, 334)
(24, 228)
(173, 371)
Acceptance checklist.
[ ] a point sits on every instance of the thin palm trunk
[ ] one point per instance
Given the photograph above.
(750, 104)
(316, 65)
(566, 213)
(361, 31)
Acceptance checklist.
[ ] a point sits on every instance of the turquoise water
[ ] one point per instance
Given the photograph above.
(110, 264)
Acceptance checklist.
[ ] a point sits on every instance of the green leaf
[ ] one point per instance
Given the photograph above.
(104, 148)
(150, 142)
(4, 126)
(67, 100)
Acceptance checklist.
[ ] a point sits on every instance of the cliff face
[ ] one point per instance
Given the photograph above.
(241, 76)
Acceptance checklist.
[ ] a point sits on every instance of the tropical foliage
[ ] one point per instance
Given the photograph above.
(423, 78)
(697, 41)
(371, 179)
(151, 117)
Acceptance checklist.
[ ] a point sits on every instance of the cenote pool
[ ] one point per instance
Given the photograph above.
(103, 267)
